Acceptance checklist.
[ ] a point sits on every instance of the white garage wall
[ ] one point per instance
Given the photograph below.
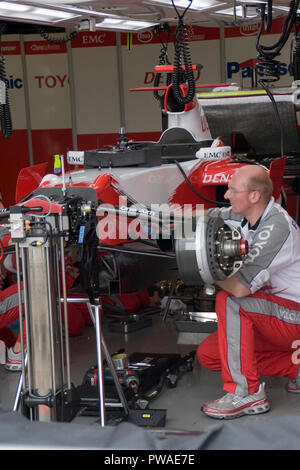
(48, 76)
(96, 80)
(102, 69)
(96, 86)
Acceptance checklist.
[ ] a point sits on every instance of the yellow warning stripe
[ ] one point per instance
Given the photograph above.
(231, 93)
(129, 41)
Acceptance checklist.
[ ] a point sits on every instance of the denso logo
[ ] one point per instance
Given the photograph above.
(249, 29)
(145, 37)
(246, 67)
(217, 178)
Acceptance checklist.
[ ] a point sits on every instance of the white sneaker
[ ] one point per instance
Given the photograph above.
(233, 406)
(293, 386)
(13, 360)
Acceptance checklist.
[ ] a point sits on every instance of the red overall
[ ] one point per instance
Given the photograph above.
(257, 335)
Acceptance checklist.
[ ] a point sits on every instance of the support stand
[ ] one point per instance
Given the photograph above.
(95, 312)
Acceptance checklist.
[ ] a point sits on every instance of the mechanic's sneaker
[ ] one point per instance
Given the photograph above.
(13, 360)
(293, 386)
(233, 406)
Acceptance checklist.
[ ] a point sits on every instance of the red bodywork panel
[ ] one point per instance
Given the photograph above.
(29, 179)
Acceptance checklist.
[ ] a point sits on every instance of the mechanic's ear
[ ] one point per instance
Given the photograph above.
(254, 196)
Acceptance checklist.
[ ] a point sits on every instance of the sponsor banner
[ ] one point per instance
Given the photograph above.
(10, 48)
(13, 82)
(194, 33)
(218, 178)
(251, 29)
(94, 39)
(54, 80)
(15, 89)
(44, 47)
(74, 157)
(150, 76)
(246, 71)
(214, 153)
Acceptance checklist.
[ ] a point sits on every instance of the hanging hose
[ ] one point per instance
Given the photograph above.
(54, 40)
(182, 58)
(295, 55)
(5, 115)
(163, 60)
(269, 67)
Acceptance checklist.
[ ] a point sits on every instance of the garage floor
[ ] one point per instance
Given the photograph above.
(183, 403)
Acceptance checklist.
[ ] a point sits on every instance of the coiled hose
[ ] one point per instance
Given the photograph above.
(179, 75)
(48, 37)
(5, 114)
(269, 67)
(295, 57)
(182, 57)
(266, 54)
(163, 60)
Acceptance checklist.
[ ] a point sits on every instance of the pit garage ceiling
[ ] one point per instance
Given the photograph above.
(135, 15)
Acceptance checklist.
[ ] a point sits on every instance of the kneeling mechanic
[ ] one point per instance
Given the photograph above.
(258, 308)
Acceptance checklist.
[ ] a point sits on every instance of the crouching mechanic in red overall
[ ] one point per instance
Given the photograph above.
(258, 308)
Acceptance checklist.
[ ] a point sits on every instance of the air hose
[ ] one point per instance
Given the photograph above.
(163, 60)
(269, 67)
(183, 70)
(295, 56)
(48, 37)
(267, 54)
(5, 114)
